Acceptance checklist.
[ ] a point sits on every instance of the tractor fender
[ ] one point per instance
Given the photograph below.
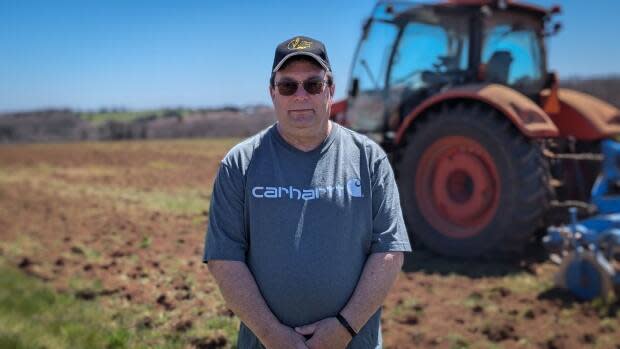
(584, 116)
(337, 112)
(526, 115)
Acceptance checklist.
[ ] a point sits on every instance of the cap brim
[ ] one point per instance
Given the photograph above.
(310, 54)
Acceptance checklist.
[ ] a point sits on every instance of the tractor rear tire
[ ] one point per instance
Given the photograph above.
(471, 184)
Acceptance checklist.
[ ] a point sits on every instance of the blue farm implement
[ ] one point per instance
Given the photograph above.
(588, 250)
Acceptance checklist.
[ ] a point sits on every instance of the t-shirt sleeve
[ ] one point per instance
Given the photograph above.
(388, 232)
(226, 237)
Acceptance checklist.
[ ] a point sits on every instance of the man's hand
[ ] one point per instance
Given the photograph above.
(285, 337)
(326, 333)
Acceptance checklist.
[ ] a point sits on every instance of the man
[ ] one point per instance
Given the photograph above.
(306, 234)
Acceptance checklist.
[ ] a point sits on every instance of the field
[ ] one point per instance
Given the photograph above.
(101, 246)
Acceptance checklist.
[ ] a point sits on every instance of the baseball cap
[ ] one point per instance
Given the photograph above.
(298, 46)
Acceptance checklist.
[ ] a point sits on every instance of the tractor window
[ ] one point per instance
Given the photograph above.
(428, 54)
(512, 56)
(365, 110)
(374, 52)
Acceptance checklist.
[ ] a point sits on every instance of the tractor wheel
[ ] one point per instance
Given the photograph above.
(471, 183)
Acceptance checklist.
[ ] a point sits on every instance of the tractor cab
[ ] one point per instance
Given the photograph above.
(410, 52)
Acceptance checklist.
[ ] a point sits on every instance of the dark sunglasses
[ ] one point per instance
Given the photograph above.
(288, 87)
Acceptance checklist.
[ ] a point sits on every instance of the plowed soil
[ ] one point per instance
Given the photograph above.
(123, 223)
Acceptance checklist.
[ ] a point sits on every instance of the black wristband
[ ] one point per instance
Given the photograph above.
(346, 325)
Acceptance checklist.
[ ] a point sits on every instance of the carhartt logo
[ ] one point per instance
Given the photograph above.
(353, 189)
(299, 44)
(354, 186)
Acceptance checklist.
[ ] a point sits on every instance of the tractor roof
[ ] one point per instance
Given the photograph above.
(401, 7)
(510, 5)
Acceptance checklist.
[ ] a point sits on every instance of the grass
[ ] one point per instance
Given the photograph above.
(606, 306)
(128, 116)
(497, 346)
(457, 342)
(21, 245)
(473, 300)
(146, 242)
(161, 165)
(526, 283)
(408, 305)
(223, 325)
(80, 284)
(32, 315)
(179, 201)
(90, 255)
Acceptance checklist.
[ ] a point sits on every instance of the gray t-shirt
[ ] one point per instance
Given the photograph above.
(305, 223)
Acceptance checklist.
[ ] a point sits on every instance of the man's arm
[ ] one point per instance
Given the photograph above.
(378, 276)
(243, 297)
(389, 239)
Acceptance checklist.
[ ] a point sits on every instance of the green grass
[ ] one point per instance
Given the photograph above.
(128, 116)
(32, 315)
(457, 342)
(177, 201)
(222, 325)
(146, 242)
(21, 245)
(407, 306)
(605, 306)
(474, 299)
(523, 282)
(100, 118)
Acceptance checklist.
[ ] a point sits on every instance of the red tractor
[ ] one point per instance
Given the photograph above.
(483, 141)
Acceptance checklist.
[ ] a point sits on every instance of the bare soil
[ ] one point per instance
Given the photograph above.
(123, 223)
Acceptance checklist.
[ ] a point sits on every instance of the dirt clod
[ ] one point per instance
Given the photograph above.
(183, 326)
(499, 332)
(409, 319)
(87, 295)
(145, 323)
(209, 342)
(77, 250)
(163, 301)
(588, 338)
(25, 263)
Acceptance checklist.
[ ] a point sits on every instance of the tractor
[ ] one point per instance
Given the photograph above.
(486, 146)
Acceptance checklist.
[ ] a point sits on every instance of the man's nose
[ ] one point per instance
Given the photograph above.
(301, 91)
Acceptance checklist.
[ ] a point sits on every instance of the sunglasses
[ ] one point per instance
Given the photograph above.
(288, 87)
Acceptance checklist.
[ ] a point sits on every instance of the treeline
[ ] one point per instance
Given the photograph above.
(68, 125)
(606, 88)
(117, 123)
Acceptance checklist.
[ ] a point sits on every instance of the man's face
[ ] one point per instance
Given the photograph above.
(302, 112)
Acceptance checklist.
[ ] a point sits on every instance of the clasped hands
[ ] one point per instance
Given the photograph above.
(326, 333)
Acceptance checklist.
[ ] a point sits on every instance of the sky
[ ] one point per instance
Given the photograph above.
(142, 54)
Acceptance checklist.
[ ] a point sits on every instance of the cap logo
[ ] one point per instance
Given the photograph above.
(299, 44)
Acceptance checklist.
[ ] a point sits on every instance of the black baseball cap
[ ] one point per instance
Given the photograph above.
(297, 46)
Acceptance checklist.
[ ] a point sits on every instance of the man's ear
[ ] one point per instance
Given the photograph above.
(272, 93)
(332, 89)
